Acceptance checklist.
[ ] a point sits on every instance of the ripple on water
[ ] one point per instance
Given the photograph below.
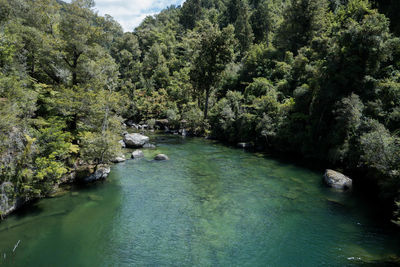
(209, 205)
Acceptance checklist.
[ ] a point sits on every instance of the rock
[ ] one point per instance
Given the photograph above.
(337, 180)
(122, 143)
(100, 174)
(137, 154)
(130, 123)
(8, 202)
(245, 145)
(148, 145)
(162, 124)
(119, 159)
(68, 178)
(161, 157)
(135, 140)
(183, 132)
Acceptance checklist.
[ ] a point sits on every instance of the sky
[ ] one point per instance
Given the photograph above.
(129, 13)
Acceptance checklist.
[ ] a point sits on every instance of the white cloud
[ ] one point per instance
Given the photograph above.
(129, 13)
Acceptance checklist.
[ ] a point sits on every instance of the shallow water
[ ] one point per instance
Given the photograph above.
(209, 205)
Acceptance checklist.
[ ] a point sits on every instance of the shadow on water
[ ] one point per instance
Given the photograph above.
(209, 205)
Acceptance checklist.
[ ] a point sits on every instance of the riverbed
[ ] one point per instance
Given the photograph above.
(209, 205)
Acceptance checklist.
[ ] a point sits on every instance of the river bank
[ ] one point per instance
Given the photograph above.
(208, 205)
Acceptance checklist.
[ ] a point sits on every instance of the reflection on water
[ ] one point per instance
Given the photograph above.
(209, 205)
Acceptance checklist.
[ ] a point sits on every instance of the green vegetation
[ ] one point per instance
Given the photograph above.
(314, 79)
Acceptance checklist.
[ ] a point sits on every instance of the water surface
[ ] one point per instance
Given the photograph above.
(209, 205)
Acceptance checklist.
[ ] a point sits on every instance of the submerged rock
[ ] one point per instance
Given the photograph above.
(337, 180)
(135, 140)
(148, 145)
(137, 154)
(161, 157)
(100, 174)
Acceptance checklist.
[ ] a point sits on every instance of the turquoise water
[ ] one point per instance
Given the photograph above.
(209, 205)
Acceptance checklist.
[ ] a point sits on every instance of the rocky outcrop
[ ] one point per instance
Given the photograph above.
(8, 201)
(161, 157)
(100, 174)
(137, 154)
(135, 140)
(337, 180)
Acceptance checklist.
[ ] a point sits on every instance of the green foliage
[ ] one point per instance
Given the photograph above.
(325, 88)
(99, 148)
(214, 52)
(303, 20)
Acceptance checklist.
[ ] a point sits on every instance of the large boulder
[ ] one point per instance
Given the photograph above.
(337, 180)
(135, 140)
(100, 174)
(161, 157)
(137, 154)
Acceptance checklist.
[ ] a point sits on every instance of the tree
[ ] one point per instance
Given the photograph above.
(243, 31)
(215, 51)
(302, 21)
(191, 12)
(261, 22)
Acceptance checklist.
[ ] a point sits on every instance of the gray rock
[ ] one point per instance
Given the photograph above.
(119, 159)
(130, 123)
(183, 132)
(137, 154)
(8, 202)
(148, 145)
(337, 180)
(161, 157)
(122, 143)
(135, 140)
(100, 174)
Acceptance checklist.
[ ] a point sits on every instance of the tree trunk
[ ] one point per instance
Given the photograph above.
(74, 75)
(206, 103)
(74, 68)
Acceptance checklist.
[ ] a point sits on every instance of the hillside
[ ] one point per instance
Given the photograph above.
(316, 79)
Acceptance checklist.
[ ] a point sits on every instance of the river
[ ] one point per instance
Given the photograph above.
(209, 205)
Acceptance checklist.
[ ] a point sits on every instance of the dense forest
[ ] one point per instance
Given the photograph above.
(316, 79)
